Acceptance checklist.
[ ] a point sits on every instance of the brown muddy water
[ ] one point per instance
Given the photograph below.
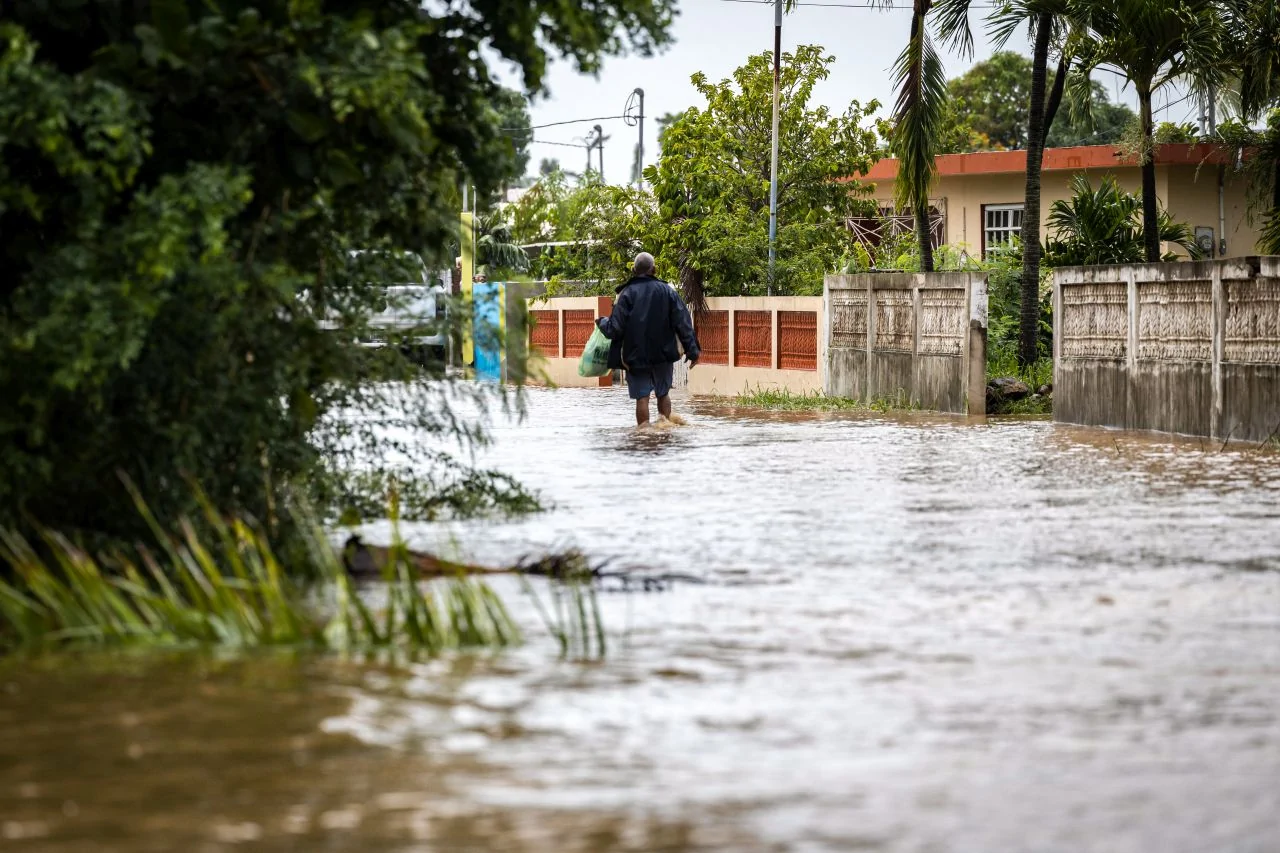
(913, 635)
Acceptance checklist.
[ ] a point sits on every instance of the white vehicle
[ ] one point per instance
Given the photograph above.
(412, 313)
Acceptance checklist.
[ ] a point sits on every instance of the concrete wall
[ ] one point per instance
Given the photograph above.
(768, 370)
(515, 368)
(785, 352)
(556, 329)
(1190, 348)
(913, 335)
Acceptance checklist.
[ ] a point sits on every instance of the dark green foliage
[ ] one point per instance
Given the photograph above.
(1167, 132)
(513, 119)
(710, 228)
(1005, 295)
(181, 184)
(991, 99)
(496, 252)
(1104, 226)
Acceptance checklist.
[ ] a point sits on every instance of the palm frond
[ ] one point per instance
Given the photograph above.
(917, 115)
(1007, 18)
(951, 23)
(1103, 225)
(1079, 94)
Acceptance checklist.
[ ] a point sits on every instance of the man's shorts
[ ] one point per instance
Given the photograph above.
(651, 380)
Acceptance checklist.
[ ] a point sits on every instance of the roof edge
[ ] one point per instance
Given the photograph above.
(1075, 158)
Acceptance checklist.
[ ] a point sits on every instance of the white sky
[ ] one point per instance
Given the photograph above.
(716, 36)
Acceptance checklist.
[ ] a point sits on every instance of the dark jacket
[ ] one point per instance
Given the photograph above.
(647, 317)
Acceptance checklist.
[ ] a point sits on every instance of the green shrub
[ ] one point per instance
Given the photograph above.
(1104, 226)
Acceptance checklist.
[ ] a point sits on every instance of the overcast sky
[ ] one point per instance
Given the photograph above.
(716, 36)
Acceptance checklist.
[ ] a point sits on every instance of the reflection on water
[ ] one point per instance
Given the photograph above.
(915, 634)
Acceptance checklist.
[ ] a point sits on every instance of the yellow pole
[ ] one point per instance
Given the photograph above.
(468, 273)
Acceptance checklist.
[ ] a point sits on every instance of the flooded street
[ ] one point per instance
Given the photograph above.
(902, 634)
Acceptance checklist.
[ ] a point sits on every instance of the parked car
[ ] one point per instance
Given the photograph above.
(413, 314)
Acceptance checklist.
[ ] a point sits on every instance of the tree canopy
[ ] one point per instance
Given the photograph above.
(711, 181)
(991, 98)
(987, 109)
(1105, 124)
(182, 187)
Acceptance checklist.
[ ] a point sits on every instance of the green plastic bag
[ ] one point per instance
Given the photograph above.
(595, 356)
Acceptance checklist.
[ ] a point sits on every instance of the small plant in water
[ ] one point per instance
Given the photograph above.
(783, 400)
(574, 616)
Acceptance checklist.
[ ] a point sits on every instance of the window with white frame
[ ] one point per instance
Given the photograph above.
(1001, 225)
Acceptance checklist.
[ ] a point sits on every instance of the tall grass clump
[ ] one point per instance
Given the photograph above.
(784, 400)
(573, 618)
(222, 584)
(1005, 363)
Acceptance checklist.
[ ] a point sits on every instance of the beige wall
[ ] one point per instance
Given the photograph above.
(725, 381)
(1190, 193)
(563, 372)
(705, 379)
(1195, 201)
(728, 380)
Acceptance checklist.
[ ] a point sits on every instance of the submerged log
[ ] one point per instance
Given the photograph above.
(362, 560)
(367, 562)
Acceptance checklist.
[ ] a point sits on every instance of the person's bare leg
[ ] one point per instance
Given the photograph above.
(664, 406)
(642, 411)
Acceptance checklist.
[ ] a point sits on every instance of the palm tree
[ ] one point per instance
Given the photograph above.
(1253, 42)
(495, 250)
(1045, 19)
(917, 122)
(1153, 43)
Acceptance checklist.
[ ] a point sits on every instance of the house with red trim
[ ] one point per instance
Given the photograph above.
(977, 200)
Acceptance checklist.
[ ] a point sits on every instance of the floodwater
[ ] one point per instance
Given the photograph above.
(912, 634)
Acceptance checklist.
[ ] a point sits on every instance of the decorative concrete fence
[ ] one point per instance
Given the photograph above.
(1190, 348)
(759, 343)
(558, 331)
(747, 343)
(918, 336)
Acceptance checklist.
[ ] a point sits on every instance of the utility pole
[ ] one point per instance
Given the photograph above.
(1221, 242)
(633, 114)
(599, 149)
(773, 166)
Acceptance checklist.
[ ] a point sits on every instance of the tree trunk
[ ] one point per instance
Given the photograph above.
(1029, 313)
(1150, 218)
(1055, 96)
(924, 234)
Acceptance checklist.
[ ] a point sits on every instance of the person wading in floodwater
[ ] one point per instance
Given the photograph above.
(647, 318)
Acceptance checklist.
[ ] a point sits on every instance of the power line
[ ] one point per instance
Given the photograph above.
(560, 123)
(562, 144)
